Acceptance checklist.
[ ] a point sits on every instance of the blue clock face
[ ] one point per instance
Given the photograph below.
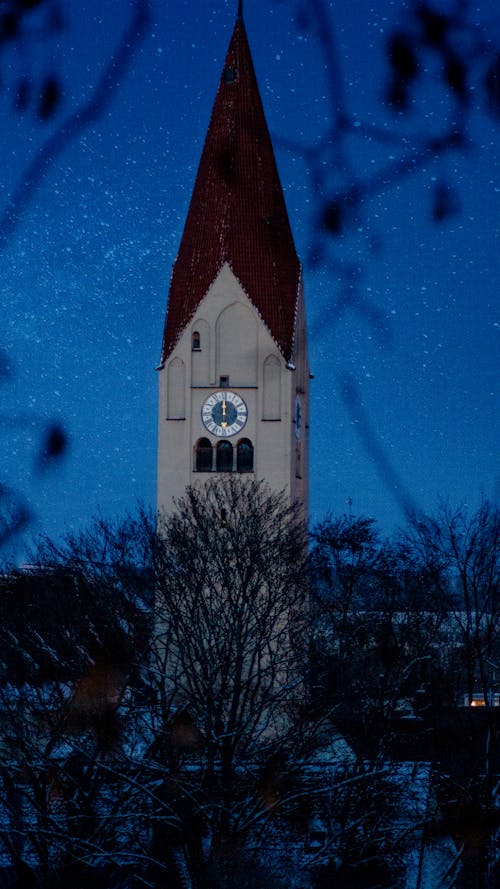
(224, 413)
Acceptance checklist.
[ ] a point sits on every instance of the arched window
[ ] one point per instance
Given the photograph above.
(203, 455)
(224, 456)
(196, 341)
(244, 455)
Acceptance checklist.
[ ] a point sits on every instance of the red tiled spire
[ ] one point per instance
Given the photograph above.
(237, 212)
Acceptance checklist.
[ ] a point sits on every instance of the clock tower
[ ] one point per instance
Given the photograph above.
(234, 374)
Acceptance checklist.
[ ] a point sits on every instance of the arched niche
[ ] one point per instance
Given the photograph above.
(176, 390)
(271, 395)
(236, 338)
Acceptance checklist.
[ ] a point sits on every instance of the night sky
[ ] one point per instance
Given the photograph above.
(404, 404)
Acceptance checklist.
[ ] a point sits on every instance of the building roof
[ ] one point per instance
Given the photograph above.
(237, 212)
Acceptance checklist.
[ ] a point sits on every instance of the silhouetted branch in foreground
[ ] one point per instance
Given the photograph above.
(86, 114)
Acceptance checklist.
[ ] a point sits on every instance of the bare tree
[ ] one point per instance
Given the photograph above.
(77, 799)
(465, 550)
(345, 561)
(375, 631)
(127, 750)
(462, 549)
(345, 555)
(83, 600)
(78, 796)
(229, 649)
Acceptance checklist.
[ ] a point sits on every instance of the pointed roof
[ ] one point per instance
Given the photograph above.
(237, 212)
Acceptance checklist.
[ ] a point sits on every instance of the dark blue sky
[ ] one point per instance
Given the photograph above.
(84, 277)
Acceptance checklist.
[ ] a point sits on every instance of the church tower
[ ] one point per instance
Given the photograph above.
(234, 373)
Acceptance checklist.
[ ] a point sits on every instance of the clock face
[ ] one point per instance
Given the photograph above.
(224, 413)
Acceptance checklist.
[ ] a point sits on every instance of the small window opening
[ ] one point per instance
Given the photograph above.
(224, 380)
(196, 342)
(224, 457)
(230, 74)
(244, 455)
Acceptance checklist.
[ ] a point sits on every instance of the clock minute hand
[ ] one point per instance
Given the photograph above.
(224, 421)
